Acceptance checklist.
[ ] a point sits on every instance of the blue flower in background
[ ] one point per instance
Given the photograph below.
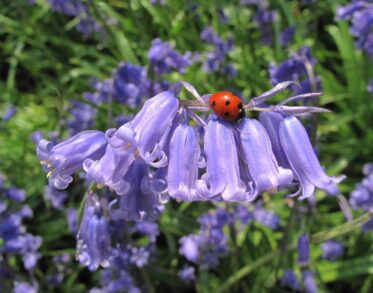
(303, 250)
(289, 279)
(361, 15)
(332, 250)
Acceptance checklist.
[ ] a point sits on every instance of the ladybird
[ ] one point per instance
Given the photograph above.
(227, 106)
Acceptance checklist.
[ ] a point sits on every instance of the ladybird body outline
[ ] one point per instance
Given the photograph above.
(227, 106)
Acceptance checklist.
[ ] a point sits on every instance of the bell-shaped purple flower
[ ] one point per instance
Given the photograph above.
(182, 172)
(290, 279)
(138, 138)
(262, 165)
(309, 282)
(138, 203)
(271, 122)
(303, 160)
(118, 157)
(67, 157)
(303, 250)
(222, 179)
(93, 239)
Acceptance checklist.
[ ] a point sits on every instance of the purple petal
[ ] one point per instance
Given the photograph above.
(182, 172)
(302, 158)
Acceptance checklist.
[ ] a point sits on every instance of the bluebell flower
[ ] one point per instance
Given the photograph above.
(332, 250)
(138, 138)
(147, 228)
(243, 214)
(55, 197)
(24, 287)
(298, 151)
(223, 177)
(86, 24)
(298, 68)
(290, 279)
(206, 247)
(72, 220)
(164, 59)
(138, 203)
(303, 250)
(263, 170)
(139, 256)
(287, 36)
(264, 18)
(63, 159)
(182, 171)
(370, 86)
(309, 282)
(93, 239)
(360, 13)
(83, 117)
(16, 194)
(9, 112)
(266, 217)
(216, 59)
(187, 274)
(130, 84)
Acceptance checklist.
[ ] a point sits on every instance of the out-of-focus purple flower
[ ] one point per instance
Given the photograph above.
(16, 194)
(309, 282)
(164, 58)
(93, 239)
(36, 136)
(130, 84)
(160, 2)
(24, 287)
(263, 170)
(303, 250)
(303, 161)
(149, 229)
(86, 24)
(72, 220)
(206, 247)
(139, 256)
(370, 86)
(215, 60)
(361, 15)
(243, 214)
(266, 217)
(222, 179)
(30, 260)
(287, 36)
(83, 117)
(289, 279)
(184, 155)
(10, 111)
(55, 197)
(332, 250)
(67, 157)
(190, 247)
(264, 18)
(187, 274)
(297, 68)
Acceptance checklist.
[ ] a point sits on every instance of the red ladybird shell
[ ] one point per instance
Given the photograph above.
(227, 106)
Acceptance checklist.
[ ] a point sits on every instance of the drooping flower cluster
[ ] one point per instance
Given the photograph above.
(216, 59)
(361, 15)
(158, 154)
(14, 239)
(298, 68)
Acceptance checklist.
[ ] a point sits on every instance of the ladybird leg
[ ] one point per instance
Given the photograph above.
(266, 95)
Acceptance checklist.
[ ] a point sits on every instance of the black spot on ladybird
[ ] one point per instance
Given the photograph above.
(227, 102)
(213, 104)
(226, 114)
